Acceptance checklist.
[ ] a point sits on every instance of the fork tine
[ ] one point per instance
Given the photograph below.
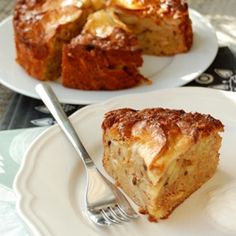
(98, 218)
(130, 215)
(108, 216)
(116, 212)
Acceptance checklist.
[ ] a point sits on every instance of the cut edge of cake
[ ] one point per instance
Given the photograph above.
(162, 28)
(112, 52)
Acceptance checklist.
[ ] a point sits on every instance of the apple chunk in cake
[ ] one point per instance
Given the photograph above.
(160, 156)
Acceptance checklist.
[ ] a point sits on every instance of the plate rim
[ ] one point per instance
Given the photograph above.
(19, 186)
(89, 97)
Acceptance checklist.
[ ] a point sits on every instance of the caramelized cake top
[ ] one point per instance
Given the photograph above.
(104, 29)
(170, 122)
(152, 8)
(36, 21)
(159, 135)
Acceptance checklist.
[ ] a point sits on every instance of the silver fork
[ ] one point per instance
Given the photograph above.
(107, 207)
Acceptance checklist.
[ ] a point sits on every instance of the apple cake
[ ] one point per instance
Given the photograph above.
(160, 156)
(105, 56)
(43, 27)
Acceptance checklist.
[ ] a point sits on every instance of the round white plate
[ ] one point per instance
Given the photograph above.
(165, 72)
(50, 183)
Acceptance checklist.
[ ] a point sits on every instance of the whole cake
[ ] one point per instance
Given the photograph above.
(105, 56)
(160, 156)
(43, 27)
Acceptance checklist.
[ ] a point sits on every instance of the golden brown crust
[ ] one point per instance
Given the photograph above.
(117, 40)
(36, 22)
(155, 9)
(113, 62)
(170, 121)
(41, 27)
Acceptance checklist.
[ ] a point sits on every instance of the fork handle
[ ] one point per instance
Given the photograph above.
(50, 100)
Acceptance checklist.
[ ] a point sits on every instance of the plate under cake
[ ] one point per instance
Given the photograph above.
(46, 187)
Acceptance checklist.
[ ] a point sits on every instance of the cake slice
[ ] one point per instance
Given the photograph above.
(105, 56)
(160, 156)
(163, 27)
(41, 28)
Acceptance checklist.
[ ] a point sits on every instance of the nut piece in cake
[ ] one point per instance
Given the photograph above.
(41, 28)
(163, 27)
(160, 156)
(105, 56)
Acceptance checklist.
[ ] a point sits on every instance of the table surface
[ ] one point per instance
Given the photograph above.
(221, 13)
(13, 144)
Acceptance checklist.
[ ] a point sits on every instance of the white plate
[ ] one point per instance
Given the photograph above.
(51, 181)
(165, 72)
